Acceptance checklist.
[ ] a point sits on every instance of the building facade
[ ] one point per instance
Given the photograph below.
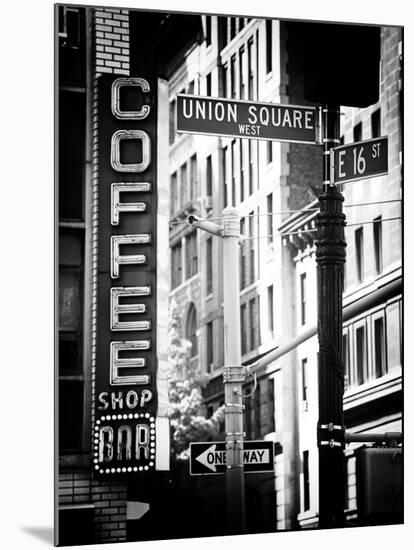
(372, 331)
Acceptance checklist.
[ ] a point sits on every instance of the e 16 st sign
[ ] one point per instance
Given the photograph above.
(246, 119)
(361, 160)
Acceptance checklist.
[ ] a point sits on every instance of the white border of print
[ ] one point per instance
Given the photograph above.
(26, 36)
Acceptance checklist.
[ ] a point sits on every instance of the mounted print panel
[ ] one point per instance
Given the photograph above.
(230, 349)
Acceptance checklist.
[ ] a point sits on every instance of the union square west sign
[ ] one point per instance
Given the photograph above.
(247, 119)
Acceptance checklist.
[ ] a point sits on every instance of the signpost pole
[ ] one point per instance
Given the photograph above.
(330, 257)
(234, 374)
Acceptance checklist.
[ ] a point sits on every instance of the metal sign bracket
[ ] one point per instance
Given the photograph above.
(331, 435)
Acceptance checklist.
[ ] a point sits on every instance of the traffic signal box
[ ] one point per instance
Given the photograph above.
(379, 473)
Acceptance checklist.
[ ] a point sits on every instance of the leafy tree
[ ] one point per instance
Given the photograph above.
(185, 383)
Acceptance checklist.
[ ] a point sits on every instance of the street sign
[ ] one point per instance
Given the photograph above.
(361, 160)
(210, 458)
(247, 119)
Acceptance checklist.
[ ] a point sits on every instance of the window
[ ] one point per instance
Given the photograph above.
(251, 165)
(304, 365)
(225, 181)
(393, 328)
(173, 194)
(242, 84)
(269, 218)
(176, 265)
(254, 320)
(345, 360)
(232, 27)
(72, 46)
(208, 30)
(224, 71)
(70, 26)
(243, 328)
(209, 176)
(191, 330)
(270, 312)
(183, 185)
(72, 115)
(71, 378)
(208, 84)
(233, 76)
(70, 414)
(269, 151)
(233, 173)
(250, 69)
(376, 123)
(222, 32)
(193, 178)
(243, 259)
(379, 348)
(361, 354)
(303, 298)
(358, 132)
(252, 255)
(242, 171)
(306, 481)
(191, 88)
(351, 483)
(268, 45)
(209, 265)
(172, 122)
(359, 253)
(270, 416)
(377, 226)
(255, 413)
(251, 324)
(265, 406)
(210, 346)
(372, 346)
(259, 417)
(191, 267)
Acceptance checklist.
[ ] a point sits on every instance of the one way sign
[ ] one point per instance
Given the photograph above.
(210, 458)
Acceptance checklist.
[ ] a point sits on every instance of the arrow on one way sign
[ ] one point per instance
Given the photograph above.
(210, 458)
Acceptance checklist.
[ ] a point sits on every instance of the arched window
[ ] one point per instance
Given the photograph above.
(191, 330)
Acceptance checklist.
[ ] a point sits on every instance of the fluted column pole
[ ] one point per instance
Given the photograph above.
(330, 257)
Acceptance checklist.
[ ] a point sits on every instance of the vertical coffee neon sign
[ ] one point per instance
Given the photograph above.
(124, 438)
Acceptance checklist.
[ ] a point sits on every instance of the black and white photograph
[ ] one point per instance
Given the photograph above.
(226, 278)
(229, 221)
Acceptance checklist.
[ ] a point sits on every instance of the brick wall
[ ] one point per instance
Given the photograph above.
(110, 510)
(384, 188)
(74, 488)
(108, 499)
(304, 179)
(112, 40)
(110, 28)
